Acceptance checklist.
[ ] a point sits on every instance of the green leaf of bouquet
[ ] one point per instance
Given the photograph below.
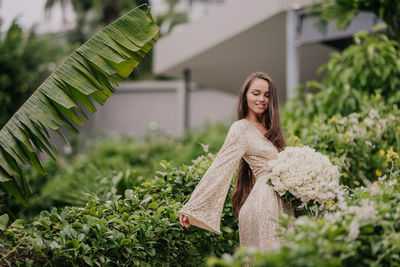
(88, 74)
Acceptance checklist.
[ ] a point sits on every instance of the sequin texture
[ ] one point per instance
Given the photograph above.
(258, 215)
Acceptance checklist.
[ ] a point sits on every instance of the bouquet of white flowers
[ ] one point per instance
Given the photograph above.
(304, 174)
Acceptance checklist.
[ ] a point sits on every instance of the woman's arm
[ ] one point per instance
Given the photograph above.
(204, 208)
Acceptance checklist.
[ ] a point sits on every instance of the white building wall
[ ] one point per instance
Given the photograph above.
(137, 107)
(208, 105)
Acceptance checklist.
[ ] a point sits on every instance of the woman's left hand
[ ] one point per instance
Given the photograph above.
(184, 220)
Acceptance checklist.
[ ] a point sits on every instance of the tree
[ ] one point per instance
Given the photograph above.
(353, 80)
(90, 73)
(92, 15)
(25, 60)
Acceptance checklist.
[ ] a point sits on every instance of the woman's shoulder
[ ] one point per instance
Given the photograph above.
(239, 123)
(237, 133)
(238, 126)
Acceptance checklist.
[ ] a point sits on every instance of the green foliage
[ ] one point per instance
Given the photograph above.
(106, 166)
(359, 143)
(25, 61)
(370, 66)
(171, 17)
(361, 230)
(92, 15)
(343, 11)
(90, 73)
(140, 229)
(353, 117)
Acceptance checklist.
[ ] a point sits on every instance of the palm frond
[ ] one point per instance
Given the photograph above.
(89, 74)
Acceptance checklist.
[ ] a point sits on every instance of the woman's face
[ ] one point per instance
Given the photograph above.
(258, 96)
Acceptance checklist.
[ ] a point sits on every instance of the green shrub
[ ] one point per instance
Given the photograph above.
(140, 229)
(109, 165)
(362, 229)
(359, 143)
(368, 67)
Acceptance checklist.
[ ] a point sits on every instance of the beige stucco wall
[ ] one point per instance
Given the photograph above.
(136, 107)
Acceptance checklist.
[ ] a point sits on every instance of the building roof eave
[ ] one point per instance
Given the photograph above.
(203, 35)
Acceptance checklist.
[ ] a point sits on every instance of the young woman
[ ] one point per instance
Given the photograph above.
(254, 139)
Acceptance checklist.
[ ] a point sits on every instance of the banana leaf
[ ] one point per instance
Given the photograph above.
(88, 74)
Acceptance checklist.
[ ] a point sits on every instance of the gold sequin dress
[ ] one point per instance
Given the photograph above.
(257, 227)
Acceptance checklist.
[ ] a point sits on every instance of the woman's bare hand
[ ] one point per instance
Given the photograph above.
(184, 220)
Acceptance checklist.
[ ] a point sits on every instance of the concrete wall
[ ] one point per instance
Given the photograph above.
(311, 57)
(137, 107)
(211, 105)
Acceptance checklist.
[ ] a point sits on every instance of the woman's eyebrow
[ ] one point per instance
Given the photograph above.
(259, 90)
(255, 89)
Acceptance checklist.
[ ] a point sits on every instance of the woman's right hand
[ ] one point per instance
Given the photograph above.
(184, 220)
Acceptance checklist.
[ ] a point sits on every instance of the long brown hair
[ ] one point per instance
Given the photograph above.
(245, 179)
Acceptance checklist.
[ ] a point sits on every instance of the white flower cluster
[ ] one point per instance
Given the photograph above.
(304, 173)
(355, 215)
(358, 125)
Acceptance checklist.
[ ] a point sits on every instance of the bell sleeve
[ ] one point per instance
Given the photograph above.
(204, 208)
